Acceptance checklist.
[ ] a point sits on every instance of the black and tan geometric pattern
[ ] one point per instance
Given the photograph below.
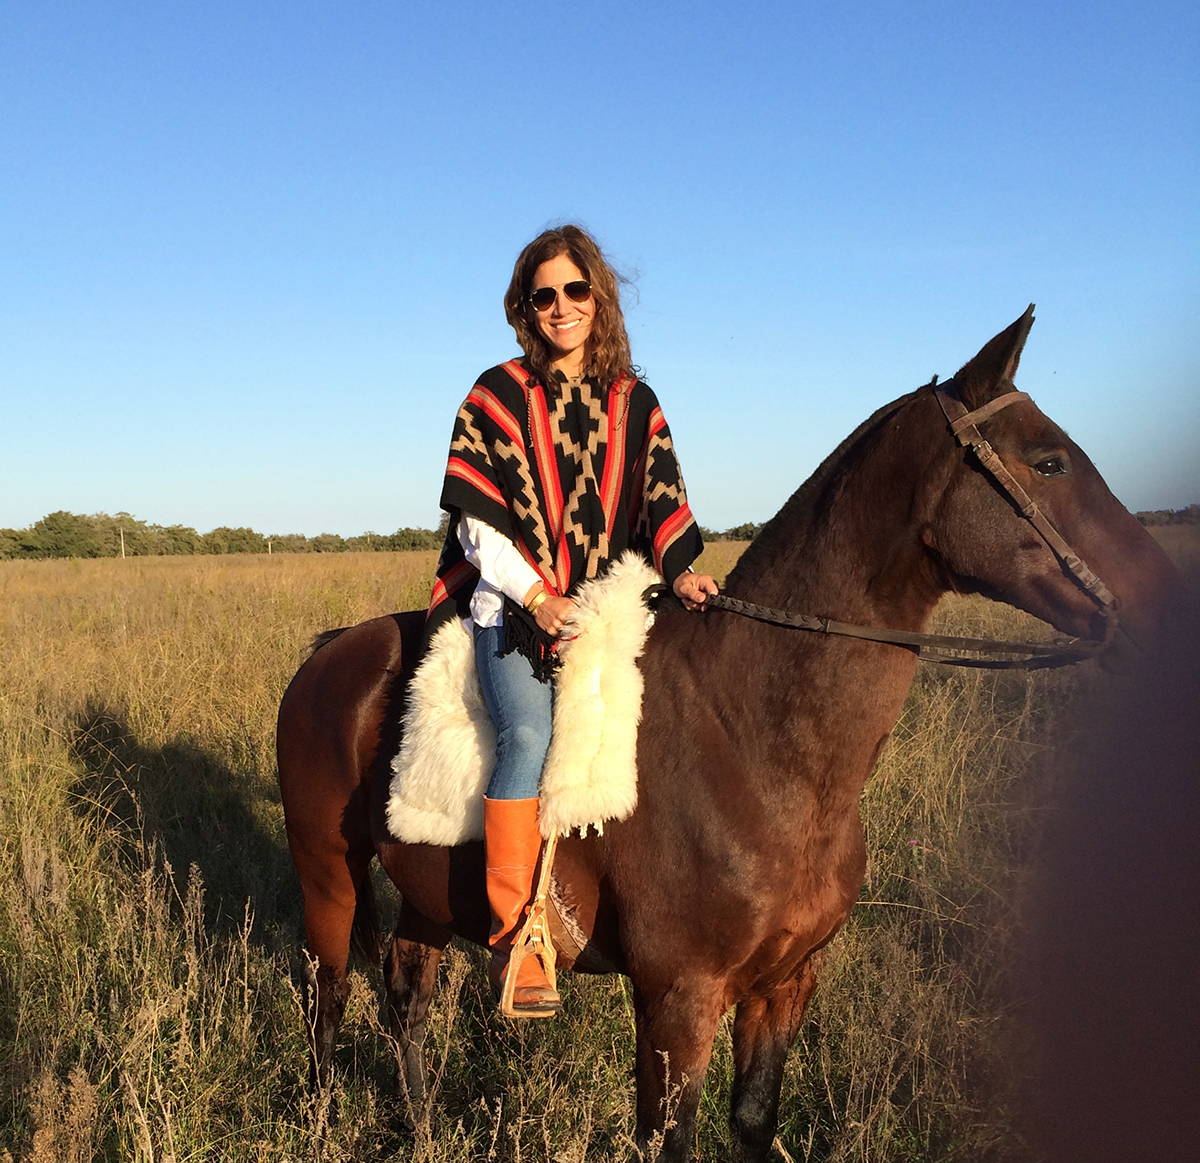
(663, 489)
(578, 419)
(469, 442)
(574, 473)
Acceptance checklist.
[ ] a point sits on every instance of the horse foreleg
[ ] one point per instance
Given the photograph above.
(675, 1029)
(763, 1029)
(410, 975)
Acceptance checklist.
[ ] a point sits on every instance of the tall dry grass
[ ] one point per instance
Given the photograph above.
(149, 919)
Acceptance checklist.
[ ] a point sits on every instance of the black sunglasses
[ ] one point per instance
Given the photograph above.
(579, 291)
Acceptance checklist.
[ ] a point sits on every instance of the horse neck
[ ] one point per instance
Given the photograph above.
(799, 716)
(793, 720)
(847, 544)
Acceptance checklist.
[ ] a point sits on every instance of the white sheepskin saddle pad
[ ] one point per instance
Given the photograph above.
(449, 741)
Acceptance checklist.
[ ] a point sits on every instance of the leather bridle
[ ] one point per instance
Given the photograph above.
(985, 652)
(964, 426)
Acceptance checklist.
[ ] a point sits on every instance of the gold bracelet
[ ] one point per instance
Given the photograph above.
(536, 601)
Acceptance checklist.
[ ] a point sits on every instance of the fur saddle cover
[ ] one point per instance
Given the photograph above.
(449, 741)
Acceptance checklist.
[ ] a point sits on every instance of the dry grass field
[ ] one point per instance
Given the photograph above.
(149, 920)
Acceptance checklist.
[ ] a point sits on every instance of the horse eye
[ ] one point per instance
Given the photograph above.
(1052, 466)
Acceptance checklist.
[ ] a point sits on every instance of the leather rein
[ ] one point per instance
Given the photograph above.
(954, 651)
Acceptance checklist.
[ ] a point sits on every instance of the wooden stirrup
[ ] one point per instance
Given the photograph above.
(533, 939)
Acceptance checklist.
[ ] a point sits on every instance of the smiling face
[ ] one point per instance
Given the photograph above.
(566, 326)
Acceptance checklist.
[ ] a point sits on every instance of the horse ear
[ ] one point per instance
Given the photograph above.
(993, 369)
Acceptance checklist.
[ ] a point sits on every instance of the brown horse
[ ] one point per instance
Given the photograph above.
(745, 853)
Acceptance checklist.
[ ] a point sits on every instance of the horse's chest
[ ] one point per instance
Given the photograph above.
(804, 927)
(796, 914)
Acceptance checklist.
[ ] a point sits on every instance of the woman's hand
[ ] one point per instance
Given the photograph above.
(553, 613)
(693, 588)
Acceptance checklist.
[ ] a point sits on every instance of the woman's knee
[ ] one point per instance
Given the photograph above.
(525, 741)
(520, 754)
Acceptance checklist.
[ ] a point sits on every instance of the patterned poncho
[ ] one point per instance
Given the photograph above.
(574, 474)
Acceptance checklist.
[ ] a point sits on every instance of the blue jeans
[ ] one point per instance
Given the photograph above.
(520, 707)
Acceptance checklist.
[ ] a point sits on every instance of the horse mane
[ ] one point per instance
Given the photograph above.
(811, 503)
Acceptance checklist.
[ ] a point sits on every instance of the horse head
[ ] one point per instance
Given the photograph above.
(983, 541)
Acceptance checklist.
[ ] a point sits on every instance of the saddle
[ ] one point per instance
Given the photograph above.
(448, 740)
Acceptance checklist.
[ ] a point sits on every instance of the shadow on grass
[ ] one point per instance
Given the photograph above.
(186, 802)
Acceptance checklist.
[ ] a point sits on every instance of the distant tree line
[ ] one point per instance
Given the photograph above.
(747, 531)
(63, 534)
(1188, 516)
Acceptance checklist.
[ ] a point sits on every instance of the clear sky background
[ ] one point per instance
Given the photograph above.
(254, 253)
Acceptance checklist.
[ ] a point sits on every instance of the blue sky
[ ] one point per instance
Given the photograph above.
(255, 252)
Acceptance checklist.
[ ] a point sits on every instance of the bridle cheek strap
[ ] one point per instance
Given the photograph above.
(965, 427)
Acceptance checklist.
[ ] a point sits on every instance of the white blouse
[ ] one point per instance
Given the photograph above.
(502, 570)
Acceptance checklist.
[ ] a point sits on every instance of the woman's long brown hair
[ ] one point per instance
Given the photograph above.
(607, 355)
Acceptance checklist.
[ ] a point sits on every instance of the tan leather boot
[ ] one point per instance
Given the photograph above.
(512, 843)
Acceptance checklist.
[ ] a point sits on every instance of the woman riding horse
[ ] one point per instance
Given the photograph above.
(559, 461)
